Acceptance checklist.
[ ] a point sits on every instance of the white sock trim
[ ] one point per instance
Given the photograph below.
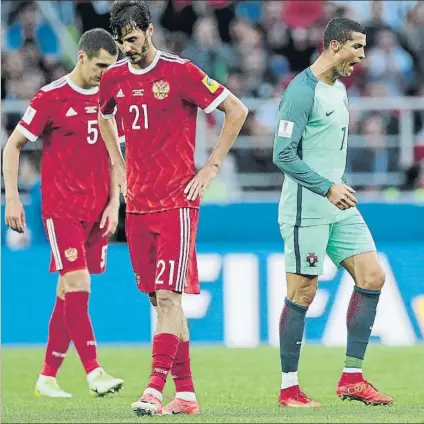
(289, 379)
(352, 370)
(190, 396)
(43, 378)
(153, 392)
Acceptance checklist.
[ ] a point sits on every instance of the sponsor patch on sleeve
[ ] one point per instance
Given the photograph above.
(210, 84)
(285, 128)
(29, 115)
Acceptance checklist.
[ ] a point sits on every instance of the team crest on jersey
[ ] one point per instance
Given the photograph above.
(71, 254)
(161, 89)
(210, 84)
(137, 279)
(312, 259)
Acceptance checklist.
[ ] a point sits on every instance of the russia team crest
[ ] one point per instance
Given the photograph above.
(161, 89)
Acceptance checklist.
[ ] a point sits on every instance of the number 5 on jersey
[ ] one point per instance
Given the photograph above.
(136, 110)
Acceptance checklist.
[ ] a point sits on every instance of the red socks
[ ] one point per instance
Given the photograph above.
(80, 329)
(181, 371)
(351, 378)
(165, 348)
(58, 341)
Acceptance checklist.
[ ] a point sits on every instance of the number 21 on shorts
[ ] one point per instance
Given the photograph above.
(161, 266)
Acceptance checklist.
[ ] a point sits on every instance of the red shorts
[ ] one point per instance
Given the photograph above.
(162, 249)
(76, 245)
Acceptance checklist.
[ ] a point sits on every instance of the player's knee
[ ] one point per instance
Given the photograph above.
(168, 302)
(76, 281)
(153, 299)
(373, 280)
(301, 289)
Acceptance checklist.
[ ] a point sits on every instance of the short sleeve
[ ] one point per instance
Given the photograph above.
(199, 89)
(36, 117)
(107, 102)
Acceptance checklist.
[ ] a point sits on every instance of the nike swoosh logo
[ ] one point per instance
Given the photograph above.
(329, 113)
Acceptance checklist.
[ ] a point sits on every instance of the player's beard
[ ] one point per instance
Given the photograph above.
(137, 58)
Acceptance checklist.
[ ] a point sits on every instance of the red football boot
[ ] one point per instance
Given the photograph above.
(294, 397)
(361, 390)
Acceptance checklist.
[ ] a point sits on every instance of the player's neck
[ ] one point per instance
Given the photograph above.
(76, 77)
(147, 61)
(324, 70)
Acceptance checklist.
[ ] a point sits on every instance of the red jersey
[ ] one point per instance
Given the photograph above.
(75, 173)
(158, 107)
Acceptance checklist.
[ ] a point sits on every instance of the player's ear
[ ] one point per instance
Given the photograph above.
(335, 46)
(150, 30)
(81, 55)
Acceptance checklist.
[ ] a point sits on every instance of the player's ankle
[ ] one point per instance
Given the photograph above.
(186, 395)
(48, 371)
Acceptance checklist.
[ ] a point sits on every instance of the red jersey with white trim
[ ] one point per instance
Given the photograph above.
(75, 172)
(158, 106)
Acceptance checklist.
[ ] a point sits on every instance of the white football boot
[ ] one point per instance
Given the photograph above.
(100, 383)
(47, 386)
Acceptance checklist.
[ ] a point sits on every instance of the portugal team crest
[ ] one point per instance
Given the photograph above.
(161, 89)
(71, 254)
(312, 259)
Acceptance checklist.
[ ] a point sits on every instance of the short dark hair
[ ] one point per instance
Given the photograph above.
(133, 13)
(92, 41)
(340, 29)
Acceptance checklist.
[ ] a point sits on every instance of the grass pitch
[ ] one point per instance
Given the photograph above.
(233, 385)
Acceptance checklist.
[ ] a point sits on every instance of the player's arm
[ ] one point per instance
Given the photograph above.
(30, 126)
(293, 115)
(14, 214)
(109, 131)
(208, 94)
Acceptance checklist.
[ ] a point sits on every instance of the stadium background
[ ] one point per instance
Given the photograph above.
(255, 48)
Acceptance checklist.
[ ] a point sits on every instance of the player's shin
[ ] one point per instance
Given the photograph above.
(181, 368)
(292, 324)
(166, 340)
(360, 319)
(78, 320)
(58, 341)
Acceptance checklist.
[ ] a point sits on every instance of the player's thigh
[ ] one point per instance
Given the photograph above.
(67, 241)
(176, 253)
(304, 248)
(142, 247)
(349, 237)
(96, 248)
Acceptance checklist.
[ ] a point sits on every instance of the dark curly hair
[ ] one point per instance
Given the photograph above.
(132, 13)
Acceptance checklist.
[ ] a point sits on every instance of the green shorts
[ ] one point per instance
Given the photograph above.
(305, 247)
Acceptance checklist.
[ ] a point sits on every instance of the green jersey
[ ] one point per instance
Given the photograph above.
(310, 148)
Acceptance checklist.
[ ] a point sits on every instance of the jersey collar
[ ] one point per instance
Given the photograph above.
(145, 70)
(86, 91)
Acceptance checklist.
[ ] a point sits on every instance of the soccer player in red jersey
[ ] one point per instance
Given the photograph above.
(157, 96)
(80, 202)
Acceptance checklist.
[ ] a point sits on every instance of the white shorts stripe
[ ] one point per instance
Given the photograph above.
(53, 244)
(181, 250)
(184, 249)
(187, 252)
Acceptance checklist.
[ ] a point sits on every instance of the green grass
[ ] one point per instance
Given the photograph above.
(233, 385)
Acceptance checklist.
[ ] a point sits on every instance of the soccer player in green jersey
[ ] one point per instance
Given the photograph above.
(318, 215)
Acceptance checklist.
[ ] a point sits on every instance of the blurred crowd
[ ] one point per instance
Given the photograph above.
(255, 48)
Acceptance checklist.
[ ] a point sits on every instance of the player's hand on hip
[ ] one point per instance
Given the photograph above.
(15, 215)
(110, 218)
(198, 185)
(341, 195)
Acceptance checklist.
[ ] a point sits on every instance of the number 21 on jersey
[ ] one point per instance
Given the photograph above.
(135, 109)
